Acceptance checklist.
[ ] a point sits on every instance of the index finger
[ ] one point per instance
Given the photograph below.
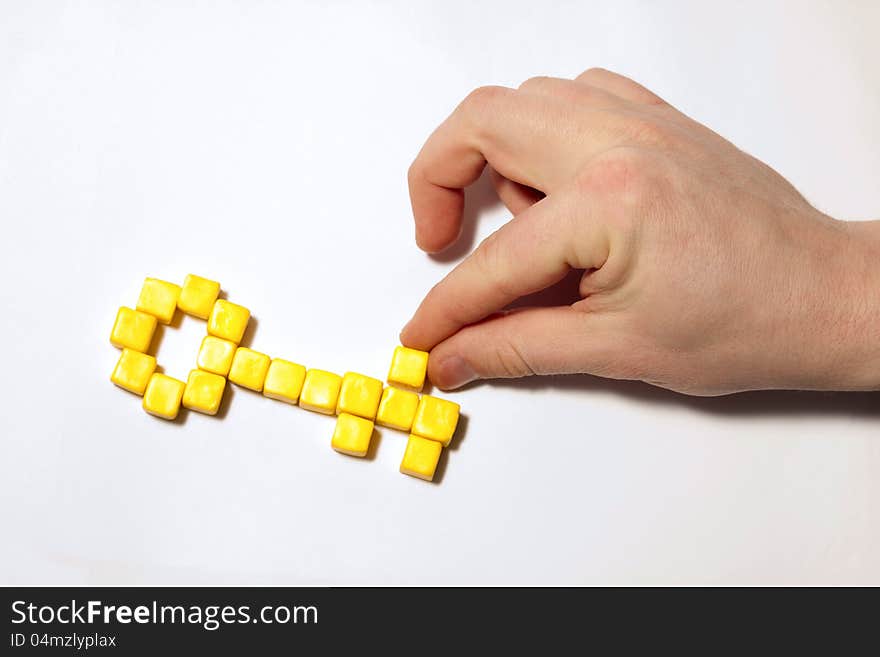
(511, 130)
(529, 253)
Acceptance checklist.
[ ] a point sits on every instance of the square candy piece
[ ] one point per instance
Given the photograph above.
(197, 296)
(320, 391)
(204, 392)
(159, 299)
(162, 396)
(284, 380)
(421, 458)
(359, 395)
(133, 330)
(249, 368)
(133, 371)
(436, 419)
(215, 355)
(408, 368)
(352, 435)
(397, 409)
(228, 320)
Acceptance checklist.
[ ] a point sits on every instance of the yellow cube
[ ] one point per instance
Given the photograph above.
(320, 391)
(133, 330)
(352, 435)
(162, 396)
(397, 409)
(133, 371)
(408, 368)
(215, 355)
(359, 395)
(284, 380)
(197, 296)
(159, 299)
(249, 368)
(421, 457)
(204, 392)
(436, 419)
(228, 320)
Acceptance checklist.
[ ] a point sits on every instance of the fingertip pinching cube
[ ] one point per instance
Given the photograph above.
(408, 368)
(360, 402)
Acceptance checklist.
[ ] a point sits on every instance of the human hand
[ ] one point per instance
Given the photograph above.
(705, 272)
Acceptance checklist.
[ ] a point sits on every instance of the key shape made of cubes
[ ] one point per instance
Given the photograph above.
(360, 402)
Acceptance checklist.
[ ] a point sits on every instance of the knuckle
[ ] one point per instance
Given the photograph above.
(478, 108)
(483, 97)
(534, 82)
(592, 73)
(454, 307)
(489, 261)
(509, 361)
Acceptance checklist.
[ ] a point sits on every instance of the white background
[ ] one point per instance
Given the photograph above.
(266, 145)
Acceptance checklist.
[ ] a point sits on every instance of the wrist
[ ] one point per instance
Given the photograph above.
(849, 336)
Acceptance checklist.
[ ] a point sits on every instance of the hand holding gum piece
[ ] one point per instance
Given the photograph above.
(408, 368)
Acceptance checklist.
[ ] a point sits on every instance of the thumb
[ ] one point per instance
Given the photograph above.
(522, 342)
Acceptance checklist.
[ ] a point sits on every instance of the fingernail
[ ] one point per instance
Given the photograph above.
(454, 372)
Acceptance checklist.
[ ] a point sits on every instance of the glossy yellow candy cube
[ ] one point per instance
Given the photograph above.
(284, 380)
(133, 330)
(197, 296)
(320, 391)
(421, 457)
(162, 396)
(359, 395)
(228, 320)
(408, 368)
(397, 409)
(204, 392)
(215, 355)
(159, 299)
(249, 368)
(436, 419)
(352, 435)
(133, 371)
